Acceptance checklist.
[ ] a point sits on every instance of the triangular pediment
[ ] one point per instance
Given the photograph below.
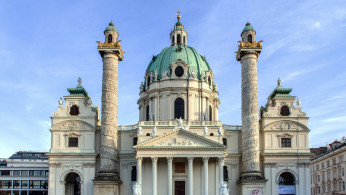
(180, 139)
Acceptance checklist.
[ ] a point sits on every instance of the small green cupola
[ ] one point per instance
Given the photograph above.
(78, 91)
(248, 33)
(279, 91)
(111, 27)
(178, 35)
(111, 33)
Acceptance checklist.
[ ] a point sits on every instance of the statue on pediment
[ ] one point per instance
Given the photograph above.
(205, 130)
(139, 130)
(179, 123)
(219, 130)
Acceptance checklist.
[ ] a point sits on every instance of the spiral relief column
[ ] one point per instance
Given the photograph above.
(248, 52)
(111, 53)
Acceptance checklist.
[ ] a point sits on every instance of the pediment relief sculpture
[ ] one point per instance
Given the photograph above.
(180, 138)
(73, 125)
(286, 126)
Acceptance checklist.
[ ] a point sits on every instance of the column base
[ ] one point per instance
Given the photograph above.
(106, 188)
(108, 176)
(107, 184)
(252, 185)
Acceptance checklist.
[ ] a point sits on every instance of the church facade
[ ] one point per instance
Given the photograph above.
(179, 146)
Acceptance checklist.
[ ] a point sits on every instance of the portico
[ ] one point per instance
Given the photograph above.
(186, 150)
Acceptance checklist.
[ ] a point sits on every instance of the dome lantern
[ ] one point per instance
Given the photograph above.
(178, 35)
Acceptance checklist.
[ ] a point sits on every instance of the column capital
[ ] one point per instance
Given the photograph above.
(139, 158)
(154, 159)
(190, 158)
(205, 158)
(170, 158)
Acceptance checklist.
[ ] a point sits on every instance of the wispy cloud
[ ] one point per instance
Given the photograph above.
(271, 49)
(295, 74)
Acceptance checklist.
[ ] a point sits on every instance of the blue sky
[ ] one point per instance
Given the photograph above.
(46, 45)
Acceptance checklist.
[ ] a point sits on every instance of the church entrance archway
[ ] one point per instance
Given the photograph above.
(287, 184)
(72, 184)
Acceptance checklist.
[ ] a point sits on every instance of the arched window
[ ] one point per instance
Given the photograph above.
(249, 38)
(72, 184)
(148, 134)
(210, 113)
(172, 40)
(286, 178)
(110, 39)
(148, 80)
(285, 111)
(209, 81)
(147, 113)
(184, 39)
(74, 110)
(179, 39)
(179, 108)
(211, 134)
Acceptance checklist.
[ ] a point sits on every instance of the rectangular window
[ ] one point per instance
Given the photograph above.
(334, 161)
(135, 140)
(179, 167)
(25, 173)
(34, 184)
(322, 165)
(341, 158)
(73, 142)
(46, 173)
(328, 163)
(16, 184)
(5, 184)
(5, 173)
(37, 173)
(44, 184)
(16, 173)
(31, 173)
(285, 142)
(24, 184)
(224, 141)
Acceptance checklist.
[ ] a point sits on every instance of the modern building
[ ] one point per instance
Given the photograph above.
(24, 173)
(328, 170)
(179, 146)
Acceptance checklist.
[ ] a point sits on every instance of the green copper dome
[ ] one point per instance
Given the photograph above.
(111, 27)
(169, 55)
(248, 27)
(178, 23)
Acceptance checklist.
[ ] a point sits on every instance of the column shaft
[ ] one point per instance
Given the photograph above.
(170, 175)
(190, 176)
(220, 172)
(154, 172)
(250, 124)
(109, 113)
(139, 173)
(205, 175)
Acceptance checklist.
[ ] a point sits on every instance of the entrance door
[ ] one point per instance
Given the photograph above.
(179, 188)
